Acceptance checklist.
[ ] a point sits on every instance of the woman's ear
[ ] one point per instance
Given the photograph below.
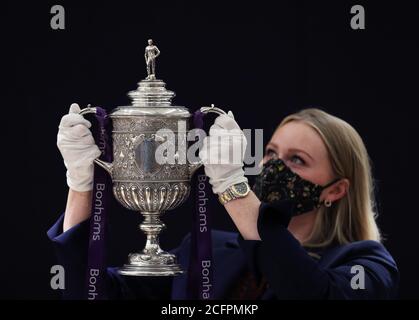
(336, 191)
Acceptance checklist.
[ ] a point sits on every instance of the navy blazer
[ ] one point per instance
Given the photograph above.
(291, 272)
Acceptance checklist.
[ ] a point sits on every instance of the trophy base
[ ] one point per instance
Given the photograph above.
(150, 271)
(150, 265)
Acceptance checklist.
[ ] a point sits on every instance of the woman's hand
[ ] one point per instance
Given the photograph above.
(78, 149)
(223, 153)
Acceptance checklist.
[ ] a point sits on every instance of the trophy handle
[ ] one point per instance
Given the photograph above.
(105, 165)
(196, 165)
(212, 109)
(87, 110)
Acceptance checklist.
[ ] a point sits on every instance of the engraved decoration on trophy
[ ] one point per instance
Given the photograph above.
(140, 183)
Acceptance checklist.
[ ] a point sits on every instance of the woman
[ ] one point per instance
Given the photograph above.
(313, 236)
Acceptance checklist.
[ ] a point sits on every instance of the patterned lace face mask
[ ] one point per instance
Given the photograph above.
(277, 182)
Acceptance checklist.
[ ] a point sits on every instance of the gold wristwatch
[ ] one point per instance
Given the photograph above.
(238, 190)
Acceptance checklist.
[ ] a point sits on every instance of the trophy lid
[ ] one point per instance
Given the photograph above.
(151, 97)
(151, 93)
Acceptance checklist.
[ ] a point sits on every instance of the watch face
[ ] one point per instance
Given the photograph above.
(241, 188)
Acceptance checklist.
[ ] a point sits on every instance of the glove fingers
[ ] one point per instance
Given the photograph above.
(78, 146)
(73, 119)
(74, 108)
(79, 131)
(216, 130)
(78, 134)
(226, 122)
(227, 150)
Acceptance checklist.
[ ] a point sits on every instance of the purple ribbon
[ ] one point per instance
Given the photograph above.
(102, 186)
(200, 271)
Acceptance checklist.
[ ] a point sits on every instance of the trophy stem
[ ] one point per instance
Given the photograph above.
(151, 226)
(152, 261)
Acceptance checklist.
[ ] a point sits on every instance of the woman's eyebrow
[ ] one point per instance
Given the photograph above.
(275, 146)
(270, 144)
(302, 151)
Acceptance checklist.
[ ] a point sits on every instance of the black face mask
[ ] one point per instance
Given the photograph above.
(277, 182)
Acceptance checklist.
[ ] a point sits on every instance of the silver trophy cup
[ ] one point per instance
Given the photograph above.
(140, 183)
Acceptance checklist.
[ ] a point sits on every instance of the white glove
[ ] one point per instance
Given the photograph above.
(223, 152)
(78, 149)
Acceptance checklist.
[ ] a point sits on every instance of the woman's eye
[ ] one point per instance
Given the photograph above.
(270, 153)
(297, 160)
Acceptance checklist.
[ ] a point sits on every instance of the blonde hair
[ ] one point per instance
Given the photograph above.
(351, 218)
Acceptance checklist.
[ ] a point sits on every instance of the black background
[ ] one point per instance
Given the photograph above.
(262, 61)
